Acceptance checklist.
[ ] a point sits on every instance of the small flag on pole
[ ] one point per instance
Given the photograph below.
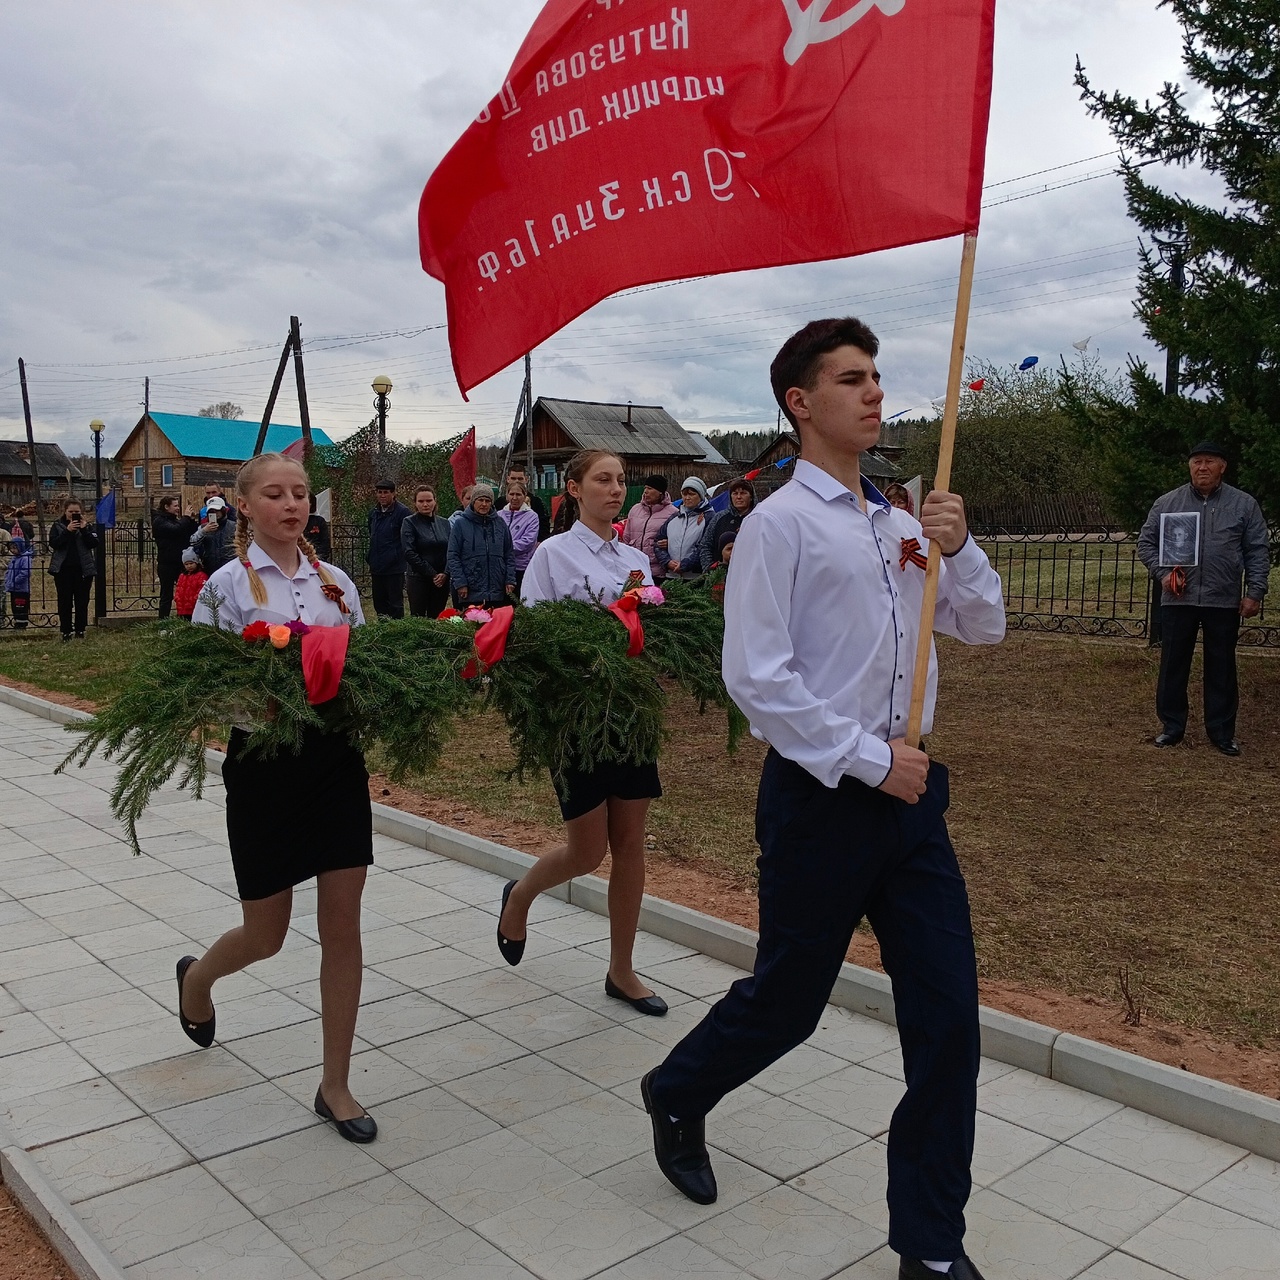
(1029, 363)
(977, 384)
(105, 515)
(464, 462)
(1083, 344)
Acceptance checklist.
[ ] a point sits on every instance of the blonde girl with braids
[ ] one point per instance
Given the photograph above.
(604, 811)
(291, 817)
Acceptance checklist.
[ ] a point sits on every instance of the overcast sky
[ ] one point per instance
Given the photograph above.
(179, 178)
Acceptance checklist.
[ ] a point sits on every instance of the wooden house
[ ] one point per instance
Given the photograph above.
(645, 436)
(178, 454)
(59, 476)
(785, 449)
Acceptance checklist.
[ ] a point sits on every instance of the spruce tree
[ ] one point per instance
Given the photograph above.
(1225, 324)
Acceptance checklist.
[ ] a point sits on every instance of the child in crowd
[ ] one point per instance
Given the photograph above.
(189, 584)
(17, 578)
(605, 810)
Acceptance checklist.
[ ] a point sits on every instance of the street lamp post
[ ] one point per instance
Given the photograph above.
(382, 389)
(97, 427)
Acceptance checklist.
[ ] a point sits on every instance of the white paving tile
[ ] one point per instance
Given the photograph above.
(107, 1159)
(1200, 1241)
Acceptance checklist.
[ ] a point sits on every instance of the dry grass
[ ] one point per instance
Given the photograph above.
(1087, 850)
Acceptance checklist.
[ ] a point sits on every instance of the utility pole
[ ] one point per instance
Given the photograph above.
(31, 448)
(275, 391)
(146, 446)
(528, 420)
(295, 336)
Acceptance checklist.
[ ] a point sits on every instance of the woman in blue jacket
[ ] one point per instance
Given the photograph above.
(481, 555)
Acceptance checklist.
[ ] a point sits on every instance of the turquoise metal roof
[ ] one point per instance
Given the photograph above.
(230, 438)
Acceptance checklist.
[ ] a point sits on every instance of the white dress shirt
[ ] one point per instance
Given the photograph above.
(821, 624)
(580, 565)
(300, 596)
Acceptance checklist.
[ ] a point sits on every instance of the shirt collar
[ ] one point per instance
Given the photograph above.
(592, 541)
(828, 488)
(259, 560)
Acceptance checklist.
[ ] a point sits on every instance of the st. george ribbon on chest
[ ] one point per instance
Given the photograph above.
(641, 140)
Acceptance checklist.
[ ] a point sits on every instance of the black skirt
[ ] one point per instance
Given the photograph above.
(580, 792)
(291, 817)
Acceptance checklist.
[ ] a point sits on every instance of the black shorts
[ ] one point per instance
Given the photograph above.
(291, 817)
(586, 791)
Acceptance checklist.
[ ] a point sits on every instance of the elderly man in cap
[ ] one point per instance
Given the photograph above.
(1201, 540)
(386, 552)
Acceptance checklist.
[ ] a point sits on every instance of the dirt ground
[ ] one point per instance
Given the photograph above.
(24, 1252)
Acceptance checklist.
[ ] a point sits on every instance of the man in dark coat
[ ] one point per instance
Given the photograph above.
(1212, 537)
(386, 552)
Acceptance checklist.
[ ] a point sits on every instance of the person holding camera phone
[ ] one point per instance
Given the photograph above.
(73, 541)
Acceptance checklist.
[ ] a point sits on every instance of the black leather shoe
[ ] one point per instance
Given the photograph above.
(654, 1006)
(200, 1032)
(961, 1269)
(680, 1147)
(362, 1129)
(1228, 747)
(1162, 740)
(512, 952)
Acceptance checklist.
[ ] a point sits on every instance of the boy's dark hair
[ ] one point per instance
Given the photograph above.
(796, 365)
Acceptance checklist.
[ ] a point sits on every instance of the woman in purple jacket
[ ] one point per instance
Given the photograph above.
(522, 520)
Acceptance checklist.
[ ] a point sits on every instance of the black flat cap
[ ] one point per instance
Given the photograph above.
(385, 484)
(1208, 447)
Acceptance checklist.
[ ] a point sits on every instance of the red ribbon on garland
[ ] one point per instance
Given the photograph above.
(625, 610)
(911, 554)
(324, 654)
(491, 642)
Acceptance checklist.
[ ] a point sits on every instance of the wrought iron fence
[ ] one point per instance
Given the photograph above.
(1074, 583)
(1085, 584)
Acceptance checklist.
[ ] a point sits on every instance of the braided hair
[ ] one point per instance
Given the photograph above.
(244, 535)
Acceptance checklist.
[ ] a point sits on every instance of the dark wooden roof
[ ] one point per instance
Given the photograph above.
(52, 463)
(652, 432)
(874, 464)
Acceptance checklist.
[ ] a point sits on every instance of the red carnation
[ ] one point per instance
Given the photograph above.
(256, 631)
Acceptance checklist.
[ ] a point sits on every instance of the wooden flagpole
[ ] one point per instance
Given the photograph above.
(942, 482)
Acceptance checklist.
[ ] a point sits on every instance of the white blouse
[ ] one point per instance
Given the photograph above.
(580, 565)
(300, 596)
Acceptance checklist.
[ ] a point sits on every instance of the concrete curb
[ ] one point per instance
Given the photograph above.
(1205, 1106)
(82, 1251)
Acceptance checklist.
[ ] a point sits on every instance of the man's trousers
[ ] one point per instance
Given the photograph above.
(388, 594)
(1221, 627)
(829, 857)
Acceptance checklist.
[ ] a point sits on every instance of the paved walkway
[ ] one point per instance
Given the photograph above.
(512, 1142)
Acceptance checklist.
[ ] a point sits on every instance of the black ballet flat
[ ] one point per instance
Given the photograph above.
(362, 1129)
(654, 1006)
(200, 1032)
(512, 952)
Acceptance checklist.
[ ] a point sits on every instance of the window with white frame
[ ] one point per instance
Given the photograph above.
(139, 478)
(166, 475)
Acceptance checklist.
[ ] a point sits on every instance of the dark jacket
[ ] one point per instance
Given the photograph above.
(544, 517)
(71, 546)
(426, 545)
(721, 528)
(317, 533)
(173, 537)
(216, 542)
(481, 557)
(1233, 545)
(386, 554)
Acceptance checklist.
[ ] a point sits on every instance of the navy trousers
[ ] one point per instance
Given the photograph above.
(827, 858)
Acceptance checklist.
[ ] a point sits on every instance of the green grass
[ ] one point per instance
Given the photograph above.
(93, 668)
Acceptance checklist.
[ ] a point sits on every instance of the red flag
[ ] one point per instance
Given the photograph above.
(654, 141)
(464, 463)
(978, 384)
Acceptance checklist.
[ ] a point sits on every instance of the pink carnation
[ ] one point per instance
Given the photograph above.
(478, 615)
(652, 595)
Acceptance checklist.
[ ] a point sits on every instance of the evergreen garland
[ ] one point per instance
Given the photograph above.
(570, 694)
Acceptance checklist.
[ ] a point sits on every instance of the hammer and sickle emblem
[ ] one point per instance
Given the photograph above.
(811, 26)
